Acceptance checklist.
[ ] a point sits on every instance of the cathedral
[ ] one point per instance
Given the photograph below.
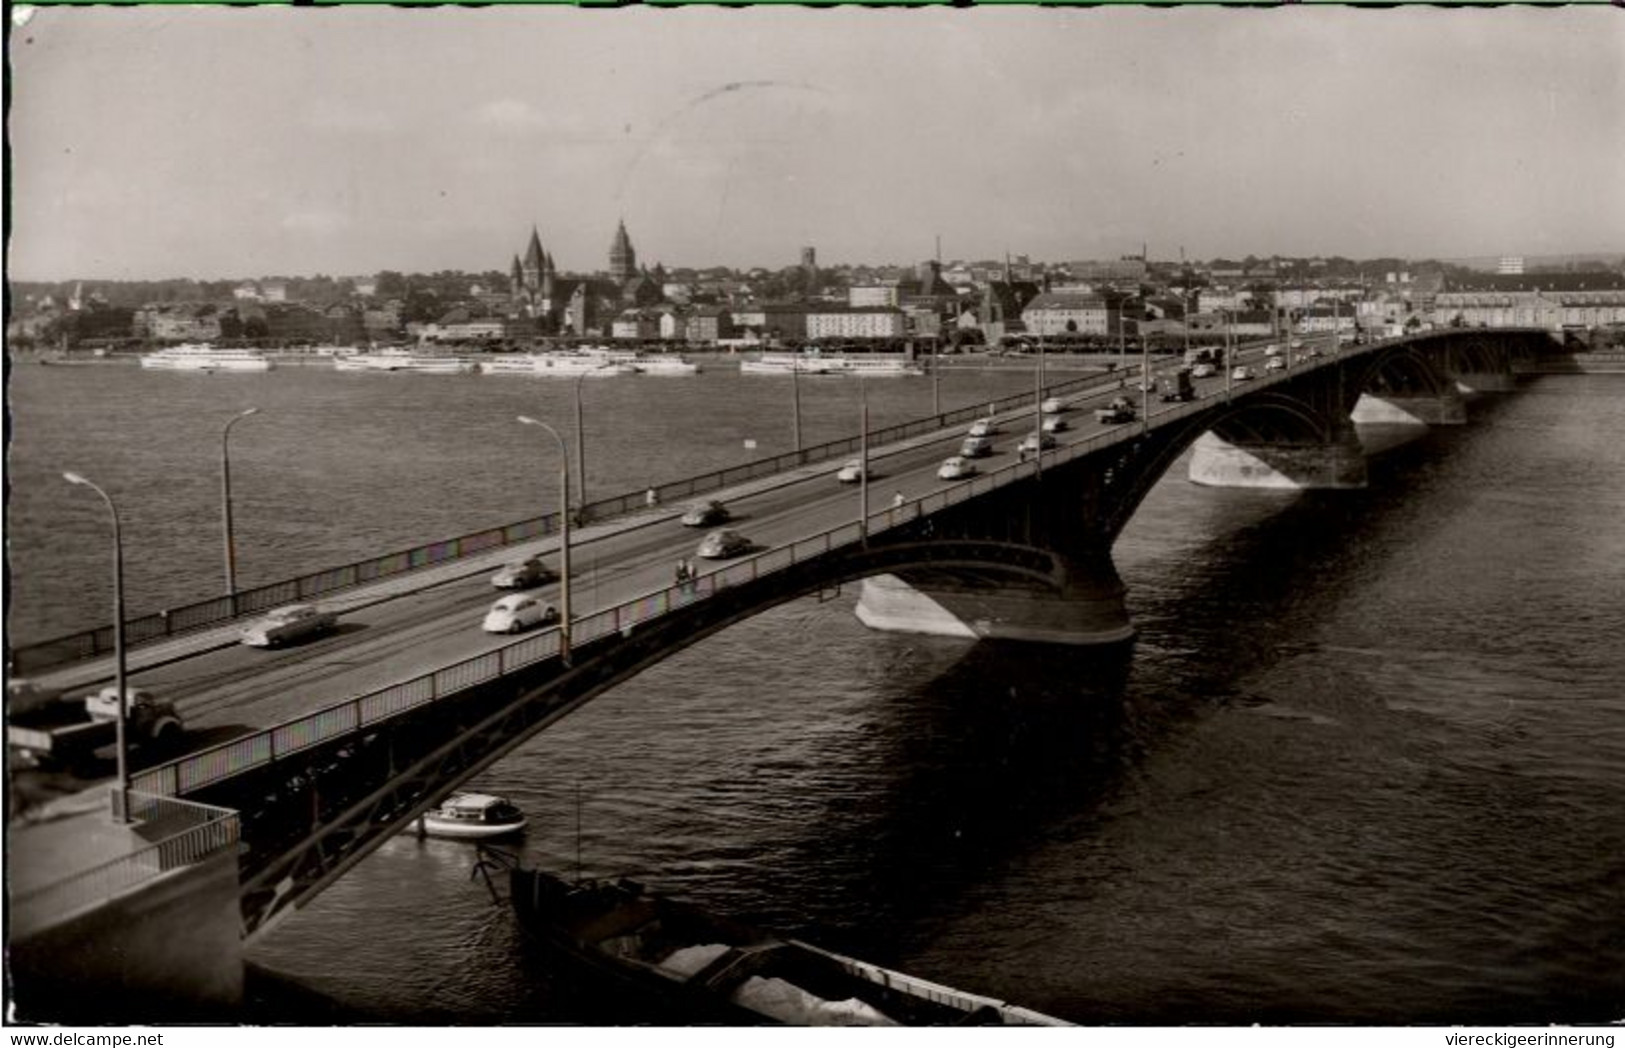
(562, 305)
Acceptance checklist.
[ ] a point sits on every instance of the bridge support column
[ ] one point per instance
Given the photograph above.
(1219, 463)
(1447, 410)
(1088, 610)
(1486, 382)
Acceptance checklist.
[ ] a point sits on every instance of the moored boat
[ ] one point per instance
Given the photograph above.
(876, 366)
(396, 359)
(472, 816)
(784, 364)
(555, 365)
(687, 965)
(201, 356)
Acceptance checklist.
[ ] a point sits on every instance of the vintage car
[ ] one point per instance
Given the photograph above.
(975, 447)
(956, 468)
(983, 427)
(1033, 441)
(531, 571)
(284, 625)
(723, 543)
(518, 611)
(851, 472)
(1054, 424)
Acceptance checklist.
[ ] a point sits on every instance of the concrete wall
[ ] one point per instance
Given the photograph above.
(1218, 463)
(169, 951)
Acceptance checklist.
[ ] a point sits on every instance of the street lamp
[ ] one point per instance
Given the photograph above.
(581, 442)
(118, 645)
(863, 462)
(225, 504)
(564, 536)
(1038, 411)
(795, 402)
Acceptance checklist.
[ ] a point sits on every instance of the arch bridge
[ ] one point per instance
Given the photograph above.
(1022, 552)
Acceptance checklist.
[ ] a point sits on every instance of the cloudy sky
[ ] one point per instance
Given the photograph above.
(159, 141)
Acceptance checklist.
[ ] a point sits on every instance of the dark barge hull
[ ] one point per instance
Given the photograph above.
(613, 935)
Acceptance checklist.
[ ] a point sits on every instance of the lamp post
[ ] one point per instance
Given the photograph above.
(564, 536)
(1229, 368)
(1038, 412)
(795, 402)
(863, 462)
(581, 443)
(1145, 384)
(225, 505)
(118, 646)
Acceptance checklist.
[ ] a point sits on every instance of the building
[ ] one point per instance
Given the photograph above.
(709, 324)
(463, 325)
(1068, 313)
(871, 296)
(637, 324)
(1510, 265)
(623, 261)
(778, 321)
(841, 322)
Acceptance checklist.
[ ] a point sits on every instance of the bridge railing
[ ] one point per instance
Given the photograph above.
(216, 610)
(205, 767)
(183, 833)
(227, 759)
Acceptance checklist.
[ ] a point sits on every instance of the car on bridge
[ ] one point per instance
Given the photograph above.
(975, 447)
(1120, 409)
(1204, 370)
(518, 611)
(1275, 364)
(1241, 374)
(983, 427)
(851, 472)
(956, 468)
(1054, 424)
(284, 625)
(1052, 406)
(1033, 441)
(722, 544)
(705, 513)
(521, 574)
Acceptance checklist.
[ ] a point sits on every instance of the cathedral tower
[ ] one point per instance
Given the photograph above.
(623, 261)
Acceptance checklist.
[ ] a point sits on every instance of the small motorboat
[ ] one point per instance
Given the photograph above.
(472, 816)
(677, 963)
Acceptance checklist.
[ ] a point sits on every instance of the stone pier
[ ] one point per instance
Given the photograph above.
(1447, 410)
(1217, 462)
(1084, 612)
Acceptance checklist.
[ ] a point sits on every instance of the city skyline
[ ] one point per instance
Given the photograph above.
(160, 143)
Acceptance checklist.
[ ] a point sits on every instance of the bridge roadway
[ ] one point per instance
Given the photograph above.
(395, 631)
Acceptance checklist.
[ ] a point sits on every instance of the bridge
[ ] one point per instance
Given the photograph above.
(355, 735)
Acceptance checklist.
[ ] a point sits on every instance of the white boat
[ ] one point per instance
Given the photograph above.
(784, 364)
(472, 816)
(200, 356)
(643, 363)
(888, 366)
(555, 365)
(395, 358)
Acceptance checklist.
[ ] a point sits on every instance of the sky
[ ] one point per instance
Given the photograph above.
(221, 143)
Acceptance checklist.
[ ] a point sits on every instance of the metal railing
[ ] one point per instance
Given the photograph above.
(188, 834)
(202, 614)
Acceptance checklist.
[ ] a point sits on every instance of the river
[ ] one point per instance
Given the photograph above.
(1364, 762)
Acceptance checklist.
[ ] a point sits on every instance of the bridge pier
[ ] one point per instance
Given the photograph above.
(1486, 382)
(1447, 410)
(1087, 610)
(1220, 463)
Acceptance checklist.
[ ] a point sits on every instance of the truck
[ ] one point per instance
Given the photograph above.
(1119, 409)
(63, 731)
(1177, 386)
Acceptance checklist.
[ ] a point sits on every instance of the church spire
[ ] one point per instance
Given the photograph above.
(533, 253)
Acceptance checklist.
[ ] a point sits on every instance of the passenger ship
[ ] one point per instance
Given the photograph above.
(395, 358)
(556, 365)
(643, 363)
(200, 356)
(785, 364)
